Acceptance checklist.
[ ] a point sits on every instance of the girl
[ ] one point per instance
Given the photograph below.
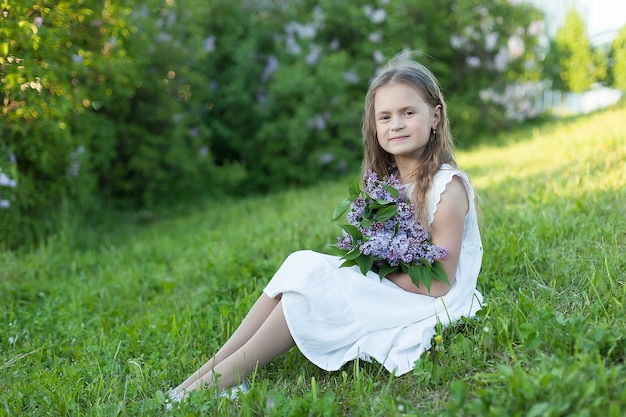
(335, 315)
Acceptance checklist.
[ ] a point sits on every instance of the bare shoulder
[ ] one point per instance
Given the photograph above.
(454, 199)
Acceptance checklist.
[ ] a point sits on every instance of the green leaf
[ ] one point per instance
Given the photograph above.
(393, 191)
(386, 213)
(334, 249)
(347, 263)
(366, 223)
(355, 188)
(458, 389)
(420, 275)
(353, 254)
(341, 208)
(424, 261)
(387, 269)
(365, 263)
(382, 203)
(352, 231)
(440, 273)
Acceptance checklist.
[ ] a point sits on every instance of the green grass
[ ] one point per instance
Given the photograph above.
(100, 322)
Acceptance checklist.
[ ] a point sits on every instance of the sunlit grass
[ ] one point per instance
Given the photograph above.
(102, 321)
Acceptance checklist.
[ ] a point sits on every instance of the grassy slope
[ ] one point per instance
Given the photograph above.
(99, 330)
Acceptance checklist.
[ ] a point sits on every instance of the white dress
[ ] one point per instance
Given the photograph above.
(336, 315)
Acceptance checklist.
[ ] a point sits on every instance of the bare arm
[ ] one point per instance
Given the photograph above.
(445, 230)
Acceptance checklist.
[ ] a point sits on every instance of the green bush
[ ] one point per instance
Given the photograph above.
(54, 58)
(618, 50)
(159, 146)
(132, 105)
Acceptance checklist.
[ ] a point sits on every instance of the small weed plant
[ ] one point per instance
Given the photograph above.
(101, 321)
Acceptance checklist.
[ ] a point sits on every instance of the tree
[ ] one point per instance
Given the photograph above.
(618, 51)
(600, 63)
(575, 56)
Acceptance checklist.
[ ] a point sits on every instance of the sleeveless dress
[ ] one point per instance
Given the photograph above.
(336, 315)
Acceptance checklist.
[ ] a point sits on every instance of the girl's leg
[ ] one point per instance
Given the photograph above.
(271, 340)
(248, 327)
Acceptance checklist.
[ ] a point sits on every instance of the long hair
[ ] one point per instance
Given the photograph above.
(440, 147)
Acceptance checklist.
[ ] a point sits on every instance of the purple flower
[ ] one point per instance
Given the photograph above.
(270, 68)
(351, 77)
(385, 229)
(209, 44)
(5, 181)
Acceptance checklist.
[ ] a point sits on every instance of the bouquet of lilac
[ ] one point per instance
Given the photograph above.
(384, 235)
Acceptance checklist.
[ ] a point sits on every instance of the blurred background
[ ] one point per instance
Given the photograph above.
(132, 105)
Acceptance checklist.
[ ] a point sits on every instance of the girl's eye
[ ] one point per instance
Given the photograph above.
(409, 112)
(383, 118)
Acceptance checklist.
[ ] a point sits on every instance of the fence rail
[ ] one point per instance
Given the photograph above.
(563, 104)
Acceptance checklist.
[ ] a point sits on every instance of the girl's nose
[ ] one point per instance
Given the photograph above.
(397, 124)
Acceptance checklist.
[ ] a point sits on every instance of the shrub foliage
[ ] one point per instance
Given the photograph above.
(133, 104)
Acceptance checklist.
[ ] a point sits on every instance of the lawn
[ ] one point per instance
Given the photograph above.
(100, 321)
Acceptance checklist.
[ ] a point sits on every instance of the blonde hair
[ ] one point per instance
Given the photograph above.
(439, 149)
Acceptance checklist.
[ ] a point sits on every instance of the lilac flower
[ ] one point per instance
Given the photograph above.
(164, 37)
(345, 241)
(327, 158)
(292, 46)
(375, 37)
(384, 227)
(472, 61)
(516, 46)
(313, 55)
(5, 181)
(536, 28)
(317, 122)
(270, 68)
(351, 77)
(209, 44)
(379, 58)
(491, 40)
(375, 15)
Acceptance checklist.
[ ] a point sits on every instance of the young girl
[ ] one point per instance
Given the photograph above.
(336, 314)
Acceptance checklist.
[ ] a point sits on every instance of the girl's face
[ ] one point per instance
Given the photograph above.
(404, 121)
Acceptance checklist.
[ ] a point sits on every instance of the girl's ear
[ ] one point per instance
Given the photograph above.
(436, 117)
